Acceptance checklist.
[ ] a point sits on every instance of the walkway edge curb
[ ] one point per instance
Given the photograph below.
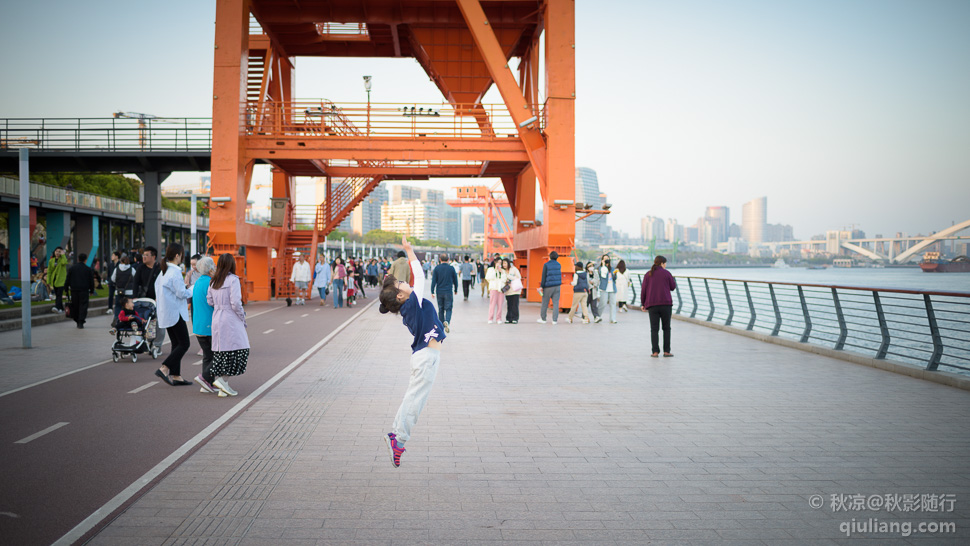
(943, 378)
(82, 529)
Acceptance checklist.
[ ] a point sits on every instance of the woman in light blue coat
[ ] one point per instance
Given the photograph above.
(322, 277)
(202, 320)
(230, 343)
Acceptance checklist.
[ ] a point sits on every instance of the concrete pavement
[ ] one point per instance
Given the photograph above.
(569, 434)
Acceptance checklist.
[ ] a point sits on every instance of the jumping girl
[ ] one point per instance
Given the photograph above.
(422, 321)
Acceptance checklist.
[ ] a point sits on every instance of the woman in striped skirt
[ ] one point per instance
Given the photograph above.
(230, 344)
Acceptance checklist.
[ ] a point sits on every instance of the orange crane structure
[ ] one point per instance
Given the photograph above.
(464, 46)
(490, 201)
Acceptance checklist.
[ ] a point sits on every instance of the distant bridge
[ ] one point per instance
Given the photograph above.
(889, 249)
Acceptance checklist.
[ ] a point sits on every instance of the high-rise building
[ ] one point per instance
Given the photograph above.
(431, 198)
(673, 232)
(473, 228)
(754, 220)
(414, 218)
(652, 228)
(451, 224)
(367, 216)
(720, 220)
(590, 230)
(778, 233)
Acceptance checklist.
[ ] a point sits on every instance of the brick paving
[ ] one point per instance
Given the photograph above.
(567, 434)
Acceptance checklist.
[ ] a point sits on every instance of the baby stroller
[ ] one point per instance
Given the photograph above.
(130, 340)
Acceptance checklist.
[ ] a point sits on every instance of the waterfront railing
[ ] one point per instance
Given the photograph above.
(930, 329)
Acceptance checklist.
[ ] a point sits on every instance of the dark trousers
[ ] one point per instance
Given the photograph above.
(466, 286)
(59, 297)
(593, 307)
(79, 305)
(111, 296)
(445, 302)
(206, 343)
(180, 345)
(360, 286)
(658, 314)
(512, 307)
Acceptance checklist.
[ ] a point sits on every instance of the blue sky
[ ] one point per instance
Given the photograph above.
(840, 112)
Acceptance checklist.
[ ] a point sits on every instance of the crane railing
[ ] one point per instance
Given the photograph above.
(324, 118)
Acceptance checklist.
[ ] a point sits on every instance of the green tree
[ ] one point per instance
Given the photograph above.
(381, 237)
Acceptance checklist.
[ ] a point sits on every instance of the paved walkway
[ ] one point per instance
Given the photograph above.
(569, 434)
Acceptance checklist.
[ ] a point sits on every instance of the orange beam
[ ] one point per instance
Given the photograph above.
(229, 92)
(498, 68)
(383, 149)
(442, 171)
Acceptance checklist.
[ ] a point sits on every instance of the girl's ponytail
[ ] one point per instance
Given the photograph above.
(656, 263)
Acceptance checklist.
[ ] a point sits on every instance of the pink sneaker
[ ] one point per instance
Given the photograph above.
(391, 441)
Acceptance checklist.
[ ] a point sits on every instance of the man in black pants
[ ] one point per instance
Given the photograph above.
(80, 279)
(145, 276)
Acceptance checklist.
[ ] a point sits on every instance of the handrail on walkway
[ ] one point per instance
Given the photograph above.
(64, 196)
(107, 134)
(915, 326)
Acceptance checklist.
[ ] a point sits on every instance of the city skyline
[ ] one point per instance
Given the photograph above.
(841, 113)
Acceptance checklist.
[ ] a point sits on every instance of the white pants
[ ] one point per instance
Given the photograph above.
(609, 300)
(424, 368)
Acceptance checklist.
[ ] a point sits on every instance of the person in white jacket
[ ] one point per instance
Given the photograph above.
(301, 277)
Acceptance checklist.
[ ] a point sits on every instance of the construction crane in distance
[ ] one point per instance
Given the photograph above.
(142, 125)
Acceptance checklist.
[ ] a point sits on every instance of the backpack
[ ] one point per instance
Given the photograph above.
(123, 280)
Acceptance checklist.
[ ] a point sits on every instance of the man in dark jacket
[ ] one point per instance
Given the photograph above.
(80, 280)
(551, 280)
(445, 281)
(109, 270)
(147, 273)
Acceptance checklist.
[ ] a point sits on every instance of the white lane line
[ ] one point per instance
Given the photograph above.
(288, 322)
(270, 331)
(196, 363)
(82, 528)
(34, 436)
(316, 310)
(96, 364)
(143, 387)
(305, 315)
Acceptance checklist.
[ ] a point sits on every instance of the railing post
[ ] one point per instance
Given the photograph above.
(774, 303)
(693, 298)
(883, 327)
(808, 319)
(747, 292)
(843, 331)
(710, 300)
(935, 332)
(680, 300)
(727, 296)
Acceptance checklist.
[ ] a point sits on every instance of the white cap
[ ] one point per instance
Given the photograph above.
(297, 253)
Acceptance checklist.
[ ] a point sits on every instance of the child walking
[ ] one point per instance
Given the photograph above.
(422, 321)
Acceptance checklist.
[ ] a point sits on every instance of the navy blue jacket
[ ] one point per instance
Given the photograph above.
(444, 278)
(551, 274)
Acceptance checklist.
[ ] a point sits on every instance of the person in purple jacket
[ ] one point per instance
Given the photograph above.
(655, 299)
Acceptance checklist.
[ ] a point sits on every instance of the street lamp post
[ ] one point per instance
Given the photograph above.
(367, 80)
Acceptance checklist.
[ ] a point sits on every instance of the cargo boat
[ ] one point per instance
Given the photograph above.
(933, 263)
